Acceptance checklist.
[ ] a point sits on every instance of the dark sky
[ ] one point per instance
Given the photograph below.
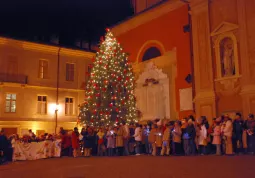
(70, 19)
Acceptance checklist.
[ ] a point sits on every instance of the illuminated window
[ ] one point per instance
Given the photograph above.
(10, 103)
(42, 104)
(69, 72)
(151, 53)
(43, 69)
(69, 106)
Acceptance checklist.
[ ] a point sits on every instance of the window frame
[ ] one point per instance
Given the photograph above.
(41, 103)
(11, 101)
(70, 72)
(45, 69)
(69, 106)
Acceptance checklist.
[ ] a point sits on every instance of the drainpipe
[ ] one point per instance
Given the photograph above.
(57, 93)
(191, 54)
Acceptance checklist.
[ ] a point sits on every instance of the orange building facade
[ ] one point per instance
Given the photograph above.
(157, 36)
(222, 40)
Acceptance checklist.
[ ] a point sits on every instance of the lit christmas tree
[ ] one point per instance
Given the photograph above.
(109, 95)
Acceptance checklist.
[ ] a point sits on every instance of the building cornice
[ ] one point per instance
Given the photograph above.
(46, 48)
(146, 16)
(16, 85)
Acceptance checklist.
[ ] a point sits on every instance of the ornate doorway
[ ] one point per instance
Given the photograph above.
(152, 93)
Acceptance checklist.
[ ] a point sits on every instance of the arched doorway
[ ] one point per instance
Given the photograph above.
(152, 93)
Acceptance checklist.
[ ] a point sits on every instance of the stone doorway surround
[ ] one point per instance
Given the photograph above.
(164, 70)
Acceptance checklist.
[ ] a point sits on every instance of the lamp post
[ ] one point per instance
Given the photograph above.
(57, 104)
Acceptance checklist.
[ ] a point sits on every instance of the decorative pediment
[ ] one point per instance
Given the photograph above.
(151, 72)
(223, 28)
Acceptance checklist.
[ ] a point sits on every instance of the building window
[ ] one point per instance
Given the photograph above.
(10, 103)
(69, 72)
(69, 106)
(12, 68)
(151, 53)
(43, 69)
(42, 104)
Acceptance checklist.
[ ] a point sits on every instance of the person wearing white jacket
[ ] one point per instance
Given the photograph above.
(138, 138)
(226, 132)
(202, 142)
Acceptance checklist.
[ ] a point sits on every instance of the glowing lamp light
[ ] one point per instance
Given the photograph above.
(54, 108)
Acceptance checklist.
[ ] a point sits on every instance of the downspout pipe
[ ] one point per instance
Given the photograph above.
(191, 54)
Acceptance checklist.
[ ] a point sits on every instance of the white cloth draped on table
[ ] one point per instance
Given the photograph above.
(36, 150)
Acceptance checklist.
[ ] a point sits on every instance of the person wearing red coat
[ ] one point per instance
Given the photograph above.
(75, 142)
(66, 144)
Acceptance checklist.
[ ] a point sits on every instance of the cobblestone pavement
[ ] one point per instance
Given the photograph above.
(134, 167)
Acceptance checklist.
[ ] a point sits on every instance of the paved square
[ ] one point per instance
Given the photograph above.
(134, 167)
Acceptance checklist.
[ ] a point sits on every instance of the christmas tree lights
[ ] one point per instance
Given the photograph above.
(109, 97)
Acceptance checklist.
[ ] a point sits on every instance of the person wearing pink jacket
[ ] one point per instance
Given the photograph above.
(216, 136)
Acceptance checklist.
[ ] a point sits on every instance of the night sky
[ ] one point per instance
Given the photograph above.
(69, 19)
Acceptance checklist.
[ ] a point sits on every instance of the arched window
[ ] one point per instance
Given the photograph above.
(151, 53)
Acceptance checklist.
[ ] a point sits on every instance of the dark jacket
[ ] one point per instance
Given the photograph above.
(88, 140)
(191, 131)
(3, 143)
(238, 127)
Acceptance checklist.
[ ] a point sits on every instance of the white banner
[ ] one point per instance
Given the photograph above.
(186, 101)
(34, 150)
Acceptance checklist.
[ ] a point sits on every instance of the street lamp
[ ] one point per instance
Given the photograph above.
(56, 108)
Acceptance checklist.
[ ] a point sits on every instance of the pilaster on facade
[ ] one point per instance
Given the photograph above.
(203, 70)
(247, 57)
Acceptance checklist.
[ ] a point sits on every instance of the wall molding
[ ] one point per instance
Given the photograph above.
(31, 46)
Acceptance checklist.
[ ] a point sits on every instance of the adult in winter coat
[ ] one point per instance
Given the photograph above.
(166, 141)
(227, 131)
(152, 138)
(89, 140)
(217, 136)
(238, 128)
(119, 140)
(75, 142)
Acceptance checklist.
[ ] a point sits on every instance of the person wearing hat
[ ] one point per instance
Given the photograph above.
(217, 136)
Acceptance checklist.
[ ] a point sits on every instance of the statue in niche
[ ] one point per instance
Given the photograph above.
(227, 57)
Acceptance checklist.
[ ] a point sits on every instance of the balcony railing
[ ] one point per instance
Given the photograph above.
(13, 78)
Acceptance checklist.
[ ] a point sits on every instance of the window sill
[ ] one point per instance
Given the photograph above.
(69, 115)
(41, 114)
(43, 78)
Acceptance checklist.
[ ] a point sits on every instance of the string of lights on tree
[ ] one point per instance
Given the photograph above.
(109, 96)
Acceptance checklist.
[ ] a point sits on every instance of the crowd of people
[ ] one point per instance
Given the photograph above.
(225, 136)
